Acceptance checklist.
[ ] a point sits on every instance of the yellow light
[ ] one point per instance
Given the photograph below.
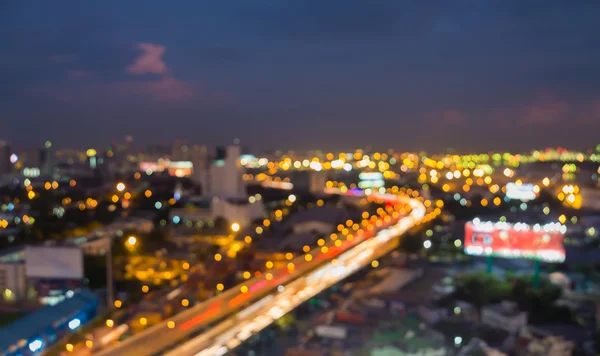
(291, 267)
(244, 289)
(269, 264)
(259, 230)
(69, 347)
(127, 195)
(115, 198)
(110, 323)
(54, 185)
(308, 257)
(120, 187)
(320, 242)
(118, 304)
(338, 243)
(143, 321)
(145, 288)
(268, 276)
(185, 302)
(220, 287)
(324, 249)
(89, 343)
(31, 194)
(484, 202)
(185, 266)
(137, 175)
(218, 257)
(171, 324)
(546, 181)
(375, 264)
(497, 201)
(148, 193)
(248, 239)
(289, 256)
(47, 185)
(235, 227)
(306, 248)
(562, 219)
(247, 275)
(131, 240)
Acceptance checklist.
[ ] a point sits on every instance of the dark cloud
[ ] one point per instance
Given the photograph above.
(307, 74)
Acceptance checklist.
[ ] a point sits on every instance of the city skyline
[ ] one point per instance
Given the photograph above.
(316, 75)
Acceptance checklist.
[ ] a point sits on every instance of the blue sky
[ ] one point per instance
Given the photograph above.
(472, 75)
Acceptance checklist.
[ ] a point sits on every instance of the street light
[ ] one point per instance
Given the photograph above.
(131, 241)
(120, 187)
(235, 227)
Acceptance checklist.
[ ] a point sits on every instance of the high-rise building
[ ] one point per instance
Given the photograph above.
(48, 160)
(5, 165)
(199, 158)
(226, 174)
(180, 151)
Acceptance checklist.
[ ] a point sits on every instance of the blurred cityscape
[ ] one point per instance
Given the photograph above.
(183, 249)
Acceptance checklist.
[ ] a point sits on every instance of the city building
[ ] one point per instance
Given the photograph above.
(41, 272)
(5, 165)
(226, 174)
(238, 210)
(12, 281)
(200, 162)
(180, 151)
(504, 316)
(48, 159)
(309, 180)
(36, 331)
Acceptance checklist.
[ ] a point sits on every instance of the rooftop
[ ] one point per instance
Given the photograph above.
(34, 324)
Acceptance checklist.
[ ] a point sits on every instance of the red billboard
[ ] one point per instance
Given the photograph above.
(520, 240)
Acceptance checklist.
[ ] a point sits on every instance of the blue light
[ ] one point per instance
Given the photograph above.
(11, 206)
(158, 205)
(177, 196)
(74, 324)
(176, 219)
(36, 345)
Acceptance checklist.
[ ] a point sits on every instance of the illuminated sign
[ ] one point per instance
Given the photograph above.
(520, 240)
(174, 168)
(524, 192)
(371, 184)
(370, 176)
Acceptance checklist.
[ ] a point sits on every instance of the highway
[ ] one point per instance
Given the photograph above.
(230, 333)
(193, 321)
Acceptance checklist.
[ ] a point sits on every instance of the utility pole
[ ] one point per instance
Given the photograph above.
(110, 297)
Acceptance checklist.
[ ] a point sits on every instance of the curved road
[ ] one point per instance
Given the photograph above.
(164, 335)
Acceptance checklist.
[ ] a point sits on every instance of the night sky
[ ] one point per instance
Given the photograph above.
(471, 75)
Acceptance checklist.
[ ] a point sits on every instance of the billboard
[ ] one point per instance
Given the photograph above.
(370, 180)
(524, 192)
(520, 240)
(53, 262)
(174, 168)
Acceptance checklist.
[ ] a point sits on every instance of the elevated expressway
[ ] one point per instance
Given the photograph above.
(251, 306)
